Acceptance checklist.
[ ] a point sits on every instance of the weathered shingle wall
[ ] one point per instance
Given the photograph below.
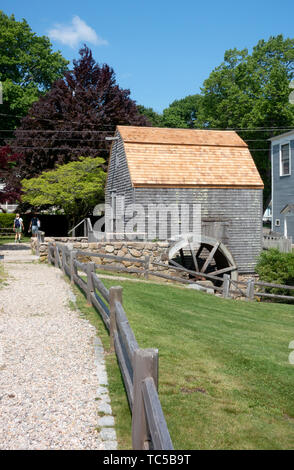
(240, 210)
(118, 176)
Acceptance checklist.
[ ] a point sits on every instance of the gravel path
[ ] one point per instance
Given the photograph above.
(52, 373)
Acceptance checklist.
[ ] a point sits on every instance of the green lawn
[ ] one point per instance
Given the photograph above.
(224, 377)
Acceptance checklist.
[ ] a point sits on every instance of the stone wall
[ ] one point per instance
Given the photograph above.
(43, 247)
(156, 251)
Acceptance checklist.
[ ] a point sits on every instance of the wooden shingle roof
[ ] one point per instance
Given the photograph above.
(160, 157)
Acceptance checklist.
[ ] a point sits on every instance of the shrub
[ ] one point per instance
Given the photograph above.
(277, 268)
(6, 220)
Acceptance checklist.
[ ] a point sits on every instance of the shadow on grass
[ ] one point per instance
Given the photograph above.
(12, 246)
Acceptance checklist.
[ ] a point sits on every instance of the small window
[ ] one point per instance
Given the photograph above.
(285, 168)
(277, 222)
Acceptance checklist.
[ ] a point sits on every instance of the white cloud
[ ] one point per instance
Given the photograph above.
(77, 32)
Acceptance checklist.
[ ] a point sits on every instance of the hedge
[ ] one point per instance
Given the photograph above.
(277, 268)
(6, 220)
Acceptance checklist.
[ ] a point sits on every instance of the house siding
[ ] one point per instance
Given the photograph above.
(118, 176)
(282, 187)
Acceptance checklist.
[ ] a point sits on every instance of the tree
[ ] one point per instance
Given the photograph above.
(28, 67)
(74, 188)
(250, 91)
(74, 117)
(152, 116)
(182, 113)
(9, 181)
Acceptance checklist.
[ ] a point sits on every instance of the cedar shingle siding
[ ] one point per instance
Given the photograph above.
(174, 166)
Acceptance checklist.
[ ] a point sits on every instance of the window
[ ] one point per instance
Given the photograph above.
(277, 223)
(285, 164)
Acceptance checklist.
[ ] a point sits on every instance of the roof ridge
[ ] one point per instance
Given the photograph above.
(137, 142)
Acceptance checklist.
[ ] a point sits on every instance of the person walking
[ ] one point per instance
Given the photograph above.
(34, 225)
(18, 228)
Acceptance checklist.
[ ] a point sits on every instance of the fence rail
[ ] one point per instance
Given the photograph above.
(6, 232)
(139, 367)
(226, 287)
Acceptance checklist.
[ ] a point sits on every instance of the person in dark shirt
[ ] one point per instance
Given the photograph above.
(34, 225)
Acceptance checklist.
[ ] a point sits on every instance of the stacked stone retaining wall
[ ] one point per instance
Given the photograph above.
(156, 251)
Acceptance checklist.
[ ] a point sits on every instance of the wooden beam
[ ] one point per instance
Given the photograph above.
(210, 256)
(145, 365)
(225, 270)
(193, 257)
(156, 422)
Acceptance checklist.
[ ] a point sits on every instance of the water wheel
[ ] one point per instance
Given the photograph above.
(208, 256)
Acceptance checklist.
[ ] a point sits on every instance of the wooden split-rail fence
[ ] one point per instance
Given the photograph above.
(139, 367)
(6, 232)
(224, 286)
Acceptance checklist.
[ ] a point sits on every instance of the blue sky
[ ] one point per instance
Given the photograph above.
(162, 50)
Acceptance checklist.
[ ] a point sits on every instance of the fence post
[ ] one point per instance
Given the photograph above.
(250, 289)
(146, 267)
(49, 253)
(63, 260)
(115, 295)
(37, 246)
(73, 255)
(145, 365)
(226, 286)
(90, 285)
(56, 256)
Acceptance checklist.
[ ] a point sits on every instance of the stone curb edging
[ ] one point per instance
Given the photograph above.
(105, 422)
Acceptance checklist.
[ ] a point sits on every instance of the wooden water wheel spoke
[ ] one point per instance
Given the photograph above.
(194, 258)
(210, 257)
(174, 263)
(224, 270)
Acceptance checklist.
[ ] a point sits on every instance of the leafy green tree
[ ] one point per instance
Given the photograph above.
(9, 178)
(75, 188)
(182, 113)
(250, 91)
(28, 67)
(153, 117)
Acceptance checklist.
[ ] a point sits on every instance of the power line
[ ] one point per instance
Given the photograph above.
(53, 120)
(65, 140)
(104, 149)
(59, 148)
(54, 131)
(255, 129)
(95, 132)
